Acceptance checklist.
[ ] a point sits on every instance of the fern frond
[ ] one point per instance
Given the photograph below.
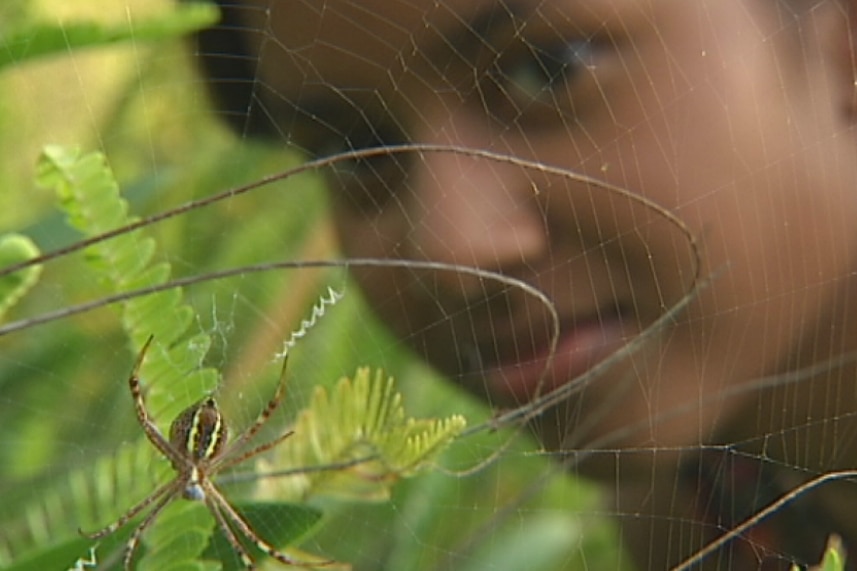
(89, 194)
(84, 496)
(361, 427)
(14, 249)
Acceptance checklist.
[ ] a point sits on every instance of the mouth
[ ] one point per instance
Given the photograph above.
(581, 345)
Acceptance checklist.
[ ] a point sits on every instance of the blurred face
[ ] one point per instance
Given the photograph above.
(725, 113)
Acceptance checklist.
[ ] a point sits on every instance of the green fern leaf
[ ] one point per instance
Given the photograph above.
(41, 538)
(89, 194)
(834, 556)
(14, 249)
(361, 427)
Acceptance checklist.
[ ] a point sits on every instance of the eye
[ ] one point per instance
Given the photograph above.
(532, 83)
(538, 73)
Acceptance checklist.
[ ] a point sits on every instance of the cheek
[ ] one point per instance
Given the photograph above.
(378, 237)
(775, 241)
(369, 231)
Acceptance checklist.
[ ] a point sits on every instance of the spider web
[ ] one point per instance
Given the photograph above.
(662, 183)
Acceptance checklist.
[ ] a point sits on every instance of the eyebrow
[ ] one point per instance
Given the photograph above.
(492, 22)
(489, 25)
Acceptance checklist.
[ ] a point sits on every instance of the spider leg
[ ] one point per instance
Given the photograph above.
(214, 508)
(241, 524)
(169, 488)
(131, 546)
(250, 453)
(263, 417)
(149, 428)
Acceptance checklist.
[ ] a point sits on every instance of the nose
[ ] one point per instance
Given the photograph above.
(470, 210)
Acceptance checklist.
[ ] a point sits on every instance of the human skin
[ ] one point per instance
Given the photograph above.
(735, 116)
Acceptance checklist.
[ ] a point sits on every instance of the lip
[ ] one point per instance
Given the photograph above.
(579, 348)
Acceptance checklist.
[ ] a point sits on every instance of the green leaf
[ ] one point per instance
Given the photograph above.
(540, 546)
(170, 372)
(116, 480)
(834, 557)
(183, 530)
(279, 524)
(14, 249)
(89, 194)
(369, 447)
(65, 555)
(46, 534)
(40, 38)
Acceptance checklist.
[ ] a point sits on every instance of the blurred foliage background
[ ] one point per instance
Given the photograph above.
(116, 77)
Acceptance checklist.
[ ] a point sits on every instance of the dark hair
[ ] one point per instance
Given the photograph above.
(226, 56)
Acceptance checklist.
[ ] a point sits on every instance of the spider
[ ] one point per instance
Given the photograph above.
(197, 449)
